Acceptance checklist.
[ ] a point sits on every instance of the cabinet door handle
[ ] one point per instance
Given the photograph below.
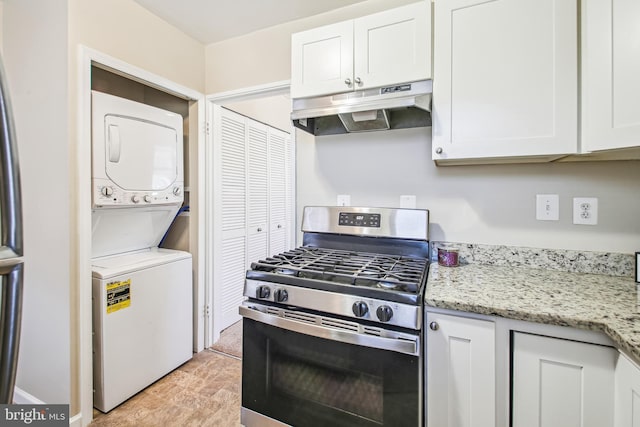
(347, 82)
(259, 229)
(434, 326)
(279, 226)
(439, 150)
(358, 80)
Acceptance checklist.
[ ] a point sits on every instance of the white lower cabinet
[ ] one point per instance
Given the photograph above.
(461, 372)
(558, 382)
(485, 371)
(627, 394)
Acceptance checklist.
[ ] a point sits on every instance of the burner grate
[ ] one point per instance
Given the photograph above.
(388, 272)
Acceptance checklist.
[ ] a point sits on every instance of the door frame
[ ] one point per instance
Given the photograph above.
(82, 340)
(218, 100)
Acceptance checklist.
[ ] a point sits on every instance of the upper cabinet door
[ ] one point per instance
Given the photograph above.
(386, 48)
(322, 60)
(505, 79)
(610, 70)
(393, 46)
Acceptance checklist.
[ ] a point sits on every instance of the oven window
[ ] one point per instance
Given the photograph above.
(337, 389)
(307, 381)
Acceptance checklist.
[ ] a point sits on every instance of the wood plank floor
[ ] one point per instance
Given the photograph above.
(203, 392)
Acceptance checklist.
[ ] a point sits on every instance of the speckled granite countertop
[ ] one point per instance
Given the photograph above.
(502, 285)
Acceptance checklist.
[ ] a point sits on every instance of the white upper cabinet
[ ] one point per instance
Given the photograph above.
(388, 47)
(610, 71)
(505, 81)
(322, 60)
(393, 46)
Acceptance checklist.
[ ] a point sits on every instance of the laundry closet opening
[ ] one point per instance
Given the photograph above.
(145, 315)
(102, 80)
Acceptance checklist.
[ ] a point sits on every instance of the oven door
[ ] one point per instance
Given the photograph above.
(302, 373)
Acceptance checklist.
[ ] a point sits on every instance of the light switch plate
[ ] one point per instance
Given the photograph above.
(547, 207)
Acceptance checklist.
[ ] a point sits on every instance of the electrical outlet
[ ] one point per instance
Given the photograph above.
(547, 207)
(344, 200)
(408, 201)
(585, 210)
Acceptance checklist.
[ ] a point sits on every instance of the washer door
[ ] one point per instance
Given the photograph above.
(140, 155)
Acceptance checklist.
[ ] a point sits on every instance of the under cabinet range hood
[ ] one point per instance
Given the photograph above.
(391, 107)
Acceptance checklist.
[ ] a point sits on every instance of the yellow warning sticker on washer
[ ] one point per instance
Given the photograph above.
(118, 295)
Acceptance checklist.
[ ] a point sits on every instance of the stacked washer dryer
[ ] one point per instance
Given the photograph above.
(142, 294)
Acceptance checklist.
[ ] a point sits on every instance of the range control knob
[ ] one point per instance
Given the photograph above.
(147, 198)
(360, 308)
(384, 313)
(107, 191)
(135, 198)
(280, 295)
(263, 292)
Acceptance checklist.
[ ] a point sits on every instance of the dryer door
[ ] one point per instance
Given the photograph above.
(140, 155)
(137, 153)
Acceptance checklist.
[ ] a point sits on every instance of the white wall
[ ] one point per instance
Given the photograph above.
(474, 204)
(1, 25)
(265, 56)
(272, 110)
(40, 42)
(36, 59)
(125, 30)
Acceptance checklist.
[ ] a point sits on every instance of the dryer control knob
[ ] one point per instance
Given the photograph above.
(135, 198)
(176, 191)
(147, 198)
(107, 191)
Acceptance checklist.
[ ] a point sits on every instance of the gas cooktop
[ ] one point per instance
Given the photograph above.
(388, 272)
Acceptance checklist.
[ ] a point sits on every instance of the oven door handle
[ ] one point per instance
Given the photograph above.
(402, 345)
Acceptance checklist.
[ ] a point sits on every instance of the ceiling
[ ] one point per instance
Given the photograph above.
(210, 21)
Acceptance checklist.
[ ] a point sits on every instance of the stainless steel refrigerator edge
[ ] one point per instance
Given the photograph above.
(11, 261)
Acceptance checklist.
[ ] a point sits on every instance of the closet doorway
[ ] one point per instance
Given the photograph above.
(251, 181)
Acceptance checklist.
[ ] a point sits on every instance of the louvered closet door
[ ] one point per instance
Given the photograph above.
(277, 191)
(233, 219)
(257, 200)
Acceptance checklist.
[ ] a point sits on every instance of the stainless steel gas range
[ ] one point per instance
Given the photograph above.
(332, 330)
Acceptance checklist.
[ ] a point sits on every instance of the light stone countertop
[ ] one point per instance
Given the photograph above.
(597, 302)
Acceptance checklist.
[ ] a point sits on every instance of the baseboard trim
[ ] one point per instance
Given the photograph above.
(76, 421)
(21, 397)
